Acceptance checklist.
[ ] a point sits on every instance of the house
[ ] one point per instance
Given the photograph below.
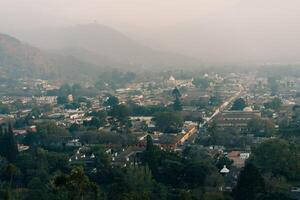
(130, 156)
(73, 143)
(238, 158)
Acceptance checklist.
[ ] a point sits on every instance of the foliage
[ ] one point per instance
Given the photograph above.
(201, 83)
(111, 101)
(250, 184)
(168, 122)
(61, 100)
(48, 133)
(239, 104)
(275, 104)
(273, 85)
(114, 79)
(279, 158)
(4, 109)
(261, 128)
(177, 105)
(76, 185)
(8, 144)
(176, 93)
(214, 100)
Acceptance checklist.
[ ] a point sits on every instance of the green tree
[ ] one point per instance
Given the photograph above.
(77, 185)
(61, 100)
(168, 122)
(65, 90)
(239, 104)
(194, 175)
(4, 109)
(95, 122)
(273, 85)
(275, 196)
(277, 157)
(214, 100)
(176, 93)
(121, 114)
(8, 144)
(111, 101)
(275, 104)
(149, 146)
(177, 105)
(250, 184)
(223, 160)
(76, 89)
(201, 83)
(261, 128)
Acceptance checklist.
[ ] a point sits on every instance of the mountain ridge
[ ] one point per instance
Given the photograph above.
(110, 43)
(18, 59)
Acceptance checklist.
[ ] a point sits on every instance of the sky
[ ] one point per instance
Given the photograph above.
(145, 13)
(252, 29)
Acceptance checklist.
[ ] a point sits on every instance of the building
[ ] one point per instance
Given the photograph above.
(237, 120)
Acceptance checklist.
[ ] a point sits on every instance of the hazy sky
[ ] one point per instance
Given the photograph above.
(147, 13)
(253, 29)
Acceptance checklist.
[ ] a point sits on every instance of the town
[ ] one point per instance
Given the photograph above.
(200, 130)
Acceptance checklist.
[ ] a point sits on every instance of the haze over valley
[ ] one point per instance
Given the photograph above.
(149, 100)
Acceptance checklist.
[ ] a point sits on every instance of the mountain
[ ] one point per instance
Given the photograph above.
(89, 42)
(18, 60)
(258, 31)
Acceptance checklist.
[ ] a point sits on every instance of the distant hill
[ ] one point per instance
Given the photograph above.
(18, 59)
(101, 44)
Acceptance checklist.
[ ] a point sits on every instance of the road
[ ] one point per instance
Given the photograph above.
(225, 105)
(219, 109)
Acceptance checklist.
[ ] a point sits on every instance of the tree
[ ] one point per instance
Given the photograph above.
(8, 144)
(168, 122)
(223, 160)
(238, 104)
(260, 127)
(151, 155)
(201, 103)
(61, 100)
(201, 83)
(121, 114)
(4, 109)
(101, 115)
(150, 146)
(277, 157)
(111, 101)
(12, 147)
(214, 100)
(176, 93)
(194, 175)
(48, 133)
(275, 196)
(77, 185)
(273, 85)
(76, 88)
(11, 171)
(177, 105)
(275, 104)
(95, 122)
(65, 90)
(250, 184)
(74, 127)
(139, 179)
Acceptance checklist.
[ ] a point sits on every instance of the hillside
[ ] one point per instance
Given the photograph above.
(22, 60)
(95, 41)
